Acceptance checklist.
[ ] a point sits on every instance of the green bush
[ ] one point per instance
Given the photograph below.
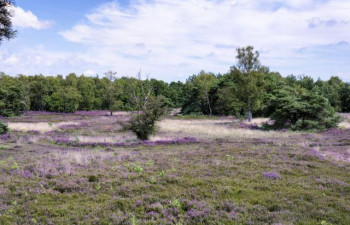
(143, 124)
(3, 128)
(301, 110)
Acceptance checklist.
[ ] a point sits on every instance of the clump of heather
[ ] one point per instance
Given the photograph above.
(316, 153)
(271, 175)
(34, 132)
(197, 211)
(5, 137)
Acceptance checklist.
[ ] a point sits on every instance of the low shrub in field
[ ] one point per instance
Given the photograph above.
(302, 110)
(3, 128)
(143, 124)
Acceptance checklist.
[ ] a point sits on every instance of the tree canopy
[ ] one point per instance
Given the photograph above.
(6, 29)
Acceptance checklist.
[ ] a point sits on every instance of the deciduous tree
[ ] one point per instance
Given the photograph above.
(248, 64)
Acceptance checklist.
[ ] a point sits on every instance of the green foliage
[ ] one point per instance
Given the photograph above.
(66, 99)
(248, 76)
(12, 96)
(6, 30)
(150, 109)
(3, 128)
(199, 99)
(86, 87)
(143, 124)
(302, 110)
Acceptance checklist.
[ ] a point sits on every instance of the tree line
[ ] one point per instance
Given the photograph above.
(72, 93)
(248, 89)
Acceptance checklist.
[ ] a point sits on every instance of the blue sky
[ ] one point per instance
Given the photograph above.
(171, 40)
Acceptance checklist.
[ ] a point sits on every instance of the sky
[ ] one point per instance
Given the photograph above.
(171, 40)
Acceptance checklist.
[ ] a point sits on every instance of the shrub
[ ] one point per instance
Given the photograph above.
(302, 110)
(143, 124)
(3, 128)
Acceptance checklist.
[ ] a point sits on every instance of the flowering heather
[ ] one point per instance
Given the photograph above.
(218, 175)
(40, 113)
(5, 137)
(27, 174)
(34, 132)
(271, 175)
(197, 211)
(73, 126)
(102, 113)
(92, 113)
(65, 140)
(316, 153)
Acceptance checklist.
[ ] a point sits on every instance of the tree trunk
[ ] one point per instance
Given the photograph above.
(250, 115)
(209, 106)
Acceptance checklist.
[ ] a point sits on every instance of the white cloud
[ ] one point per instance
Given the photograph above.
(38, 60)
(185, 36)
(26, 19)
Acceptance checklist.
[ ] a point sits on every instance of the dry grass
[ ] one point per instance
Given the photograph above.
(40, 127)
(82, 157)
(257, 121)
(103, 139)
(211, 129)
(345, 125)
(346, 121)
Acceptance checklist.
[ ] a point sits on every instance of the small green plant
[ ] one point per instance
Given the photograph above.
(98, 187)
(150, 163)
(92, 178)
(152, 180)
(323, 222)
(176, 203)
(133, 220)
(229, 157)
(174, 160)
(14, 166)
(162, 173)
(137, 168)
(115, 167)
(50, 124)
(3, 147)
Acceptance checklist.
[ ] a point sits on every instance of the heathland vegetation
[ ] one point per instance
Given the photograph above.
(67, 156)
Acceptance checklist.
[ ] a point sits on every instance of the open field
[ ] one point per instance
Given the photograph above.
(82, 168)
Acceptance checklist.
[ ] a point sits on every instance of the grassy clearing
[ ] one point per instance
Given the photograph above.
(213, 129)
